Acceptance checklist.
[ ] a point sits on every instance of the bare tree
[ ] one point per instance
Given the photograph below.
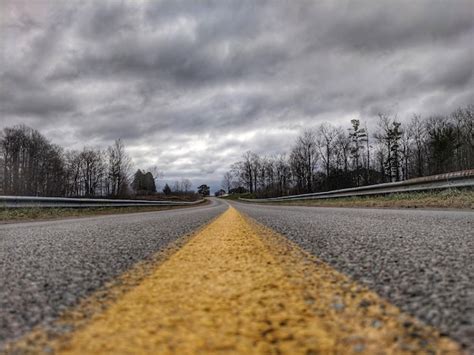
(442, 144)
(406, 146)
(283, 175)
(176, 188)
(2, 166)
(227, 181)
(463, 121)
(186, 185)
(326, 135)
(358, 138)
(245, 170)
(343, 148)
(119, 169)
(256, 168)
(31, 165)
(73, 174)
(390, 134)
(303, 161)
(92, 169)
(418, 132)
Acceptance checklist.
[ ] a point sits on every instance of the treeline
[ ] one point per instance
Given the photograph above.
(178, 188)
(143, 184)
(330, 157)
(31, 165)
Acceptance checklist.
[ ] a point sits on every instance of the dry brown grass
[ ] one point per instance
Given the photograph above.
(453, 199)
(11, 215)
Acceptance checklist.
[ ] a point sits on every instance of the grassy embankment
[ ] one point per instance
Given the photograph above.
(10, 215)
(456, 199)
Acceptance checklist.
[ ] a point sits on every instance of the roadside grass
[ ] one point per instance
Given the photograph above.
(452, 198)
(10, 215)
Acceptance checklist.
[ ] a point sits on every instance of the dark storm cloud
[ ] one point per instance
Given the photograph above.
(22, 96)
(190, 85)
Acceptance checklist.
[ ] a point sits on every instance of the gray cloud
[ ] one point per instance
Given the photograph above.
(190, 85)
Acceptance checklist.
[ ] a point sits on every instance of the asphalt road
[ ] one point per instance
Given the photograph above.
(422, 261)
(45, 267)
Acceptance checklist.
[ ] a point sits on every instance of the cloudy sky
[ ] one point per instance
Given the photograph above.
(190, 85)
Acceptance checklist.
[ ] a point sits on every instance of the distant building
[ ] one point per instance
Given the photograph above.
(220, 193)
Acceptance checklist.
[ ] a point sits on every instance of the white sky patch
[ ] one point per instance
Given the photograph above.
(182, 26)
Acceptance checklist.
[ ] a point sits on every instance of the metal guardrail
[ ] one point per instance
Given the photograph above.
(64, 202)
(459, 179)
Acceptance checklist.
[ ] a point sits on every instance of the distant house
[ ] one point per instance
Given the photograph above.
(220, 193)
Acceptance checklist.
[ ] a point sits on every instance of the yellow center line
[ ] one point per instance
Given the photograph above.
(237, 287)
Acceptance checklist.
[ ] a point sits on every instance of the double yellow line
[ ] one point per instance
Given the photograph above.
(237, 287)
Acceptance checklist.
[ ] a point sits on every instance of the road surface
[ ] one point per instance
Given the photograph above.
(421, 261)
(48, 266)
